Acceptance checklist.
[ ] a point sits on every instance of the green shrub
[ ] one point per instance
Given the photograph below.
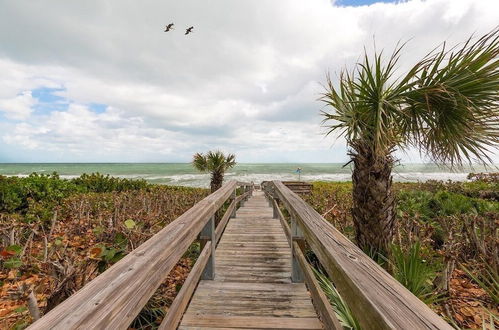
(99, 183)
(45, 191)
(413, 271)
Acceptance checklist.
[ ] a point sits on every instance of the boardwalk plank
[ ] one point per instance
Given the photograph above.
(252, 287)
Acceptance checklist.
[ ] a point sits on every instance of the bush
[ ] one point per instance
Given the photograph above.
(413, 271)
(100, 183)
(47, 190)
(16, 194)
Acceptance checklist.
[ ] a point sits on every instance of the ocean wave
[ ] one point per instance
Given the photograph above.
(203, 180)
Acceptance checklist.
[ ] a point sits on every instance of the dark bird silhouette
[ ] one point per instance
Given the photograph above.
(169, 27)
(189, 30)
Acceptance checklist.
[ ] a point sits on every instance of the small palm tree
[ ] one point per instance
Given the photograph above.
(215, 162)
(447, 106)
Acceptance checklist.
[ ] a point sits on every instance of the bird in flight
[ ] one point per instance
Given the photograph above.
(189, 30)
(169, 27)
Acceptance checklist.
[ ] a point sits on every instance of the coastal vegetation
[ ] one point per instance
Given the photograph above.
(445, 106)
(445, 243)
(216, 163)
(57, 235)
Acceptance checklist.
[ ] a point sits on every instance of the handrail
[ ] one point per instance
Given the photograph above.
(179, 304)
(319, 299)
(377, 300)
(116, 296)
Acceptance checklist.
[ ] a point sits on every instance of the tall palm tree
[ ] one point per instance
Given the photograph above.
(215, 162)
(447, 106)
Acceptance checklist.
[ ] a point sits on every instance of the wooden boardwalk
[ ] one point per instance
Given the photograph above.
(252, 288)
(245, 283)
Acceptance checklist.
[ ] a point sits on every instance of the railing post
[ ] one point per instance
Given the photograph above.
(208, 234)
(296, 236)
(243, 199)
(233, 215)
(275, 214)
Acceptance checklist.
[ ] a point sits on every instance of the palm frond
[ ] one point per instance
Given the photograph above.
(200, 162)
(447, 105)
(342, 311)
(453, 106)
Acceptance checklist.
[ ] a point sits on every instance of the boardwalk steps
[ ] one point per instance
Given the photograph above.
(252, 286)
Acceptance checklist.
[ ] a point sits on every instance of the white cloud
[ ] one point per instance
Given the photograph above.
(18, 107)
(247, 79)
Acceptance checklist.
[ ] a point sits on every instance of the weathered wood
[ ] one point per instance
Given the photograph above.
(252, 287)
(208, 233)
(245, 322)
(296, 238)
(116, 296)
(299, 187)
(223, 222)
(377, 300)
(243, 196)
(321, 303)
(284, 222)
(234, 198)
(177, 309)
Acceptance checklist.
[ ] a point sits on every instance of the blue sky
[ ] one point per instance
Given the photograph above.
(98, 81)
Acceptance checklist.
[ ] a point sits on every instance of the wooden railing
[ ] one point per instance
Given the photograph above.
(377, 300)
(114, 298)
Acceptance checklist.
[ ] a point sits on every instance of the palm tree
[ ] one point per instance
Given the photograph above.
(215, 162)
(447, 106)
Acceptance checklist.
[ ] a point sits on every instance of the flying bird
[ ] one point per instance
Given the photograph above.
(189, 30)
(169, 27)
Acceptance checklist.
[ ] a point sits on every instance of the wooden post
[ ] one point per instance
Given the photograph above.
(233, 215)
(269, 197)
(296, 236)
(208, 234)
(275, 214)
(243, 199)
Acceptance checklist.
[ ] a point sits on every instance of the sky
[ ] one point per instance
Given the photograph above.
(99, 80)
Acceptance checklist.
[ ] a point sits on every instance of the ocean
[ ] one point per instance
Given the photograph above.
(186, 175)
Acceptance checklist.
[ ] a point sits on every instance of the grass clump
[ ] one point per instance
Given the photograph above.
(341, 309)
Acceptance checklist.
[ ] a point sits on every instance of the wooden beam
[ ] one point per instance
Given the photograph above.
(321, 303)
(208, 233)
(223, 222)
(284, 222)
(116, 296)
(179, 305)
(377, 300)
(296, 238)
(252, 322)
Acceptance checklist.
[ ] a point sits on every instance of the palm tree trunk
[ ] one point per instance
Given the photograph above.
(373, 201)
(217, 179)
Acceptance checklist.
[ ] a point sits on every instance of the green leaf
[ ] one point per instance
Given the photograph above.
(110, 254)
(15, 249)
(130, 224)
(20, 309)
(13, 263)
(121, 240)
(58, 241)
(98, 230)
(117, 257)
